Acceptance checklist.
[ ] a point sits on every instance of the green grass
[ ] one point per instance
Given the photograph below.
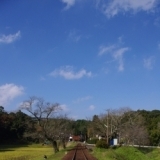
(31, 152)
(37, 151)
(127, 153)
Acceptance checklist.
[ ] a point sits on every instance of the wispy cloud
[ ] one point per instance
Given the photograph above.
(149, 62)
(69, 3)
(8, 92)
(79, 100)
(75, 117)
(91, 107)
(106, 49)
(69, 73)
(118, 56)
(42, 78)
(158, 45)
(74, 36)
(113, 7)
(10, 38)
(117, 53)
(157, 22)
(64, 107)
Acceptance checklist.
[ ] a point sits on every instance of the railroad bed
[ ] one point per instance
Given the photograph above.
(79, 152)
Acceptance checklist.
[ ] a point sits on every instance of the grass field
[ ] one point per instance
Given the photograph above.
(30, 152)
(37, 151)
(24, 152)
(127, 153)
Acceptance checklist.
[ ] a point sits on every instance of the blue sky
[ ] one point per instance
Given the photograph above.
(87, 55)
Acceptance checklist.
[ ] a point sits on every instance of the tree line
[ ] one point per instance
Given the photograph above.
(40, 121)
(130, 127)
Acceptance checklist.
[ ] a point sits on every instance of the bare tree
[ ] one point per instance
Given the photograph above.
(134, 130)
(129, 125)
(123, 123)
(50, 125)
(98, 125)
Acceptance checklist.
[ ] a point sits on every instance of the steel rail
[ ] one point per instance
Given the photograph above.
(85, 157)
(79, 149)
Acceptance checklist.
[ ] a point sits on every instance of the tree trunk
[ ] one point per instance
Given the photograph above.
(63, 143)
(54, 143)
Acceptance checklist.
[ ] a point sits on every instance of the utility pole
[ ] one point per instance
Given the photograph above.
(107, 124)
(111, 126)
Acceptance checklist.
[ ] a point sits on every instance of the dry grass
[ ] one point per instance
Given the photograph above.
(30, 152)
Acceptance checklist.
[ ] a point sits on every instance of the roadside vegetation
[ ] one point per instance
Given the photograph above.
(40, 128)
(37, 152)
(127, 153)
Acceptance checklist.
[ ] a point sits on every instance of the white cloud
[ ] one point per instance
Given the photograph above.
(68, 73)
(82, 99)
(91, 107)
(69, 3)
(148, 62)
(118, 55)
(106, 49)
(113, 7)
(74, 36)
(10, 38)
(75, 117)
(64, 107)
(8, 92)
(116, 51)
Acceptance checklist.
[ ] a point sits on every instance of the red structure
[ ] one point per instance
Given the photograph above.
(75, 138)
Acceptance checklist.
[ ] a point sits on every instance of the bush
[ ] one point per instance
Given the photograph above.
(114, 147)
(102, 144)
(92, 141)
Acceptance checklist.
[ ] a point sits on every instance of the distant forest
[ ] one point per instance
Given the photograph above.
(132, 127)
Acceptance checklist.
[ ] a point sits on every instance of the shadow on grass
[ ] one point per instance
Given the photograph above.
(10, 147)
(145, 150)
(6, 150)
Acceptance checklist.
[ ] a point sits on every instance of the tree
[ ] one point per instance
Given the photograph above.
(152, 122)
(80, 128)
(20, 123)
(99, 125)
(49, 124)
(1, 109)
(130, 126)
(123, 123)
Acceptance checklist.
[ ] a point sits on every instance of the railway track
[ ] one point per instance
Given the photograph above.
(79, 152)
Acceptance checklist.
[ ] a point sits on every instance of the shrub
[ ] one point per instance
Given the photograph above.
(114, 147)
(101, 144)
(92, 141)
